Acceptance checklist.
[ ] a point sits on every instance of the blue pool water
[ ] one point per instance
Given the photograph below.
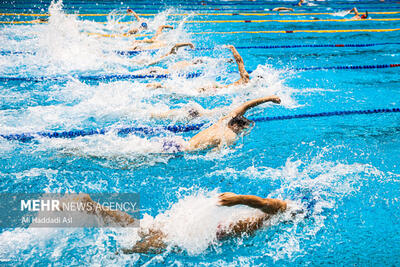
(345, 169)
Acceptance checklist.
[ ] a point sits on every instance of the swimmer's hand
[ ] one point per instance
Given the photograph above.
(275, 99)
(228, 199)
(228, 46)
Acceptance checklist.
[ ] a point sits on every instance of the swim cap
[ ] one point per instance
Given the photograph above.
(365, 16)
(143, 25)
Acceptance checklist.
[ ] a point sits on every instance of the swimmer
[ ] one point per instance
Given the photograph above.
(300, 2)
(244, 75)
(357, 14)
(223, 133)
(40, 20)
(154, 43)
(279, 9)
(226, 130)
(153, 239)
(143, 23)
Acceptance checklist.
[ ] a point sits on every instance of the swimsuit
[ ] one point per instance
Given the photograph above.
(171, 146)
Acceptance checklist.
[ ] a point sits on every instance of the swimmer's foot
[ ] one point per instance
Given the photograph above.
(154, 85)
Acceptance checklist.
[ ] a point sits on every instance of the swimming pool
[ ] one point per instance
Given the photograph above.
(347, 166)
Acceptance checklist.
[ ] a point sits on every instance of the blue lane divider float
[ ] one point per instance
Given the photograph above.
(182, 128)
(98, 77)
(121, 52)
(165, 76)
(131, 53)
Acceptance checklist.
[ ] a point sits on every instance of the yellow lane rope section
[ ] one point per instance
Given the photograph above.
(196, 14)
(285, 21)
(238, 32)
(231, 21)
(299, 31)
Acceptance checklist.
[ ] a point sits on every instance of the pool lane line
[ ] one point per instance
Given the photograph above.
(120, 35)
(132, 52)
(230, 21)
(196, 14)
(147, 130)
(189, 75)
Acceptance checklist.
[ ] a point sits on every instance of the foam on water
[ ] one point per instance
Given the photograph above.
(341, 13)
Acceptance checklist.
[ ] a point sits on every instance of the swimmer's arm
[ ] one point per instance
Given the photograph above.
(167, 114)
(173, 50)
(239, 61)
(300, 2)
(266, 205)
(134, 14)
(114, 216)
(252, 103)
(355, 11)
(160, 30)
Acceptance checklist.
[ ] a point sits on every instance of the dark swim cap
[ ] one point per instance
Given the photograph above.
(143, 25)
(239, 123)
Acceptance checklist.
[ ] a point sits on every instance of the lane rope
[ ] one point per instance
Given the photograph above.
(182, 128)
(117, 35)
(198, 14)
(132, 52)
(127, 52)
(185, 75)
(231, 21)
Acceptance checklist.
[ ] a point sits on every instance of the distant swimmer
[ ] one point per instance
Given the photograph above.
(143, 24)
(152, 43)
(300, 2)
(154, 240)
(224, 132)
(244, 76)
(279, 9)
(357, 14)
(40, 20)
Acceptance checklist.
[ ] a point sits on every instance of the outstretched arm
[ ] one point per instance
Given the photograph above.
(355, 11)
(239, 61)
(160, 30)
(252, 103)
(266, 205)
(173, 50)
(130, 11)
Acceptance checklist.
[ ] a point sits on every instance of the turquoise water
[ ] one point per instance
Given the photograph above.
(346, 166)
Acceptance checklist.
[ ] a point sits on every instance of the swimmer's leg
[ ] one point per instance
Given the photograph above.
(150, 243)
